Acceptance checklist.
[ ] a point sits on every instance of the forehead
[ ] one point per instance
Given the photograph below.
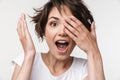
(63, 13)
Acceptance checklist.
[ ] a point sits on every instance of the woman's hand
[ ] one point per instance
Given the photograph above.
(86, 41)
(25, 36)
(23, 72)
(78, 32)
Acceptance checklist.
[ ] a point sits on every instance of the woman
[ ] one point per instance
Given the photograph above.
(64, 24)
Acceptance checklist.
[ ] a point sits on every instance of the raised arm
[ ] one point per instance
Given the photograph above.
(23, 72)
(87, 42)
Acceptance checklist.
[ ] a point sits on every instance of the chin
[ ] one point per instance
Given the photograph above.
(63, 57)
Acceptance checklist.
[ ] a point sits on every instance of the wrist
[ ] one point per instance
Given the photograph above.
(30, 55)
(94, 53)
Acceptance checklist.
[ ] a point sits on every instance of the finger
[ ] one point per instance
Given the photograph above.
(22, 26)
(25, 24)
(71, 35)
(71, 29)
(82, 26)
(19, 27)
(93, 32)
(18, 24)
(26, 28)
(73, 24)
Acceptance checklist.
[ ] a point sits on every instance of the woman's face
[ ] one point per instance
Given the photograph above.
(59, 43)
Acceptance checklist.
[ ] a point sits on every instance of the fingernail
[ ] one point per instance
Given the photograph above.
(71, 17)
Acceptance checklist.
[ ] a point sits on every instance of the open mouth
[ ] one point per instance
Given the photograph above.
(61, 45)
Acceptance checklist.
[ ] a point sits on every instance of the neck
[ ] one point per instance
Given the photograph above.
(57, 66)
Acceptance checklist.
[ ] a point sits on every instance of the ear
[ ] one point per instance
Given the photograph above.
(44, 36)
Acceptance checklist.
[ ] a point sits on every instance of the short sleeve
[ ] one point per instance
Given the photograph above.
(85, 69)
(18, 60)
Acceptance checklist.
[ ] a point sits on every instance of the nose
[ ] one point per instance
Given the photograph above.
(61, 31)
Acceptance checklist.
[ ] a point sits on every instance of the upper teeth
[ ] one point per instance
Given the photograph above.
(62, 41)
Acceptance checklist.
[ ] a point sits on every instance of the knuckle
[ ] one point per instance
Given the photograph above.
(73, 30)
(84, 36)
(75, 25)
(22, 38)
(80, 24)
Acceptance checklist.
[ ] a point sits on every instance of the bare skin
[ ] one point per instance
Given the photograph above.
(56, 67)
(57, 64)
(23, 73)
(74, 28)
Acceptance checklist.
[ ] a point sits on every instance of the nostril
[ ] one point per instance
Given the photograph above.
(63, 35)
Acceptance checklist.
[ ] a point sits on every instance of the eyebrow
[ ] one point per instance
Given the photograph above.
(56, 18)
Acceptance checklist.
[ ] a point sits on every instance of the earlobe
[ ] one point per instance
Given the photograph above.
(43, 33)
(44, 36)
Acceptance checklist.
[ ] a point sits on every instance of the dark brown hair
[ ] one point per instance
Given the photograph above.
(77, 7)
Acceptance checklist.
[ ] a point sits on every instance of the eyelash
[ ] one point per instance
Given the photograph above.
(53, 24)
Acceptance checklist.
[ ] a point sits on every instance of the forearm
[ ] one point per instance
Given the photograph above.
(26, 68)
(24, 72)
(95, 66)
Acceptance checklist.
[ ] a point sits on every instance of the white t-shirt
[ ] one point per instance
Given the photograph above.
(77, 71)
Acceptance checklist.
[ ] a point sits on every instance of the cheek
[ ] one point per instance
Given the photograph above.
(73, 44)
(49, 39)
(48, 32)
(50, 35)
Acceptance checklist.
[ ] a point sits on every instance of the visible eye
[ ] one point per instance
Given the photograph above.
(53, 24)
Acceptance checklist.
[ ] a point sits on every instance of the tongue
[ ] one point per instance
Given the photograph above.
(61, 46)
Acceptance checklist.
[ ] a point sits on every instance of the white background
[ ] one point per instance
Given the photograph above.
(107, 17)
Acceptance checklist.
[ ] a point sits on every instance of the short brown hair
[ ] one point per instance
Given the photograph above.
(77, 7)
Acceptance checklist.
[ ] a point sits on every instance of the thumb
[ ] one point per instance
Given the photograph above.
(93, 29)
